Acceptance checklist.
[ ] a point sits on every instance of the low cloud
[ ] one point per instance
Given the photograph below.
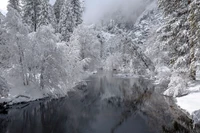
(97, 9)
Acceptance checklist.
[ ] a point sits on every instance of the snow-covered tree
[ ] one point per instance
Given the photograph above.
(194, 35)
(175, 41)
(18, 39)
(70, 17)
(5, 53)
(57, 9)
(46, 14)
(77, 11)
(171, 6)
(15, 4)
(89, 43)
(66, 23)
(52, 17)
(31, 12)
(55, 67)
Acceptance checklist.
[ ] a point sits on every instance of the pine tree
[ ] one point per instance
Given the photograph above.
(194, 41)
(31, 12)
(70, 17)
(44, 18)
(77, 11)
(57, 9)
(15, 4)
(52, 17)
(66, 23)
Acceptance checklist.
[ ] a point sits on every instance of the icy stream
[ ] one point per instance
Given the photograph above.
(108, 104)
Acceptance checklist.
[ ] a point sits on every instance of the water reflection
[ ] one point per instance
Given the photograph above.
(107, 105)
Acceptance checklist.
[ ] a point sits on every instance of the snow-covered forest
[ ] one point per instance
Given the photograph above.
(46, 50)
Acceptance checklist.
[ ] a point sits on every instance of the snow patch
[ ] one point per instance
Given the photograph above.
(190, 103)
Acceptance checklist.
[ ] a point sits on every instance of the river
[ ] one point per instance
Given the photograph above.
(108, 104)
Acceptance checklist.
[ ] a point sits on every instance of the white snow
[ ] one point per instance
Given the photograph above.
(107, 35)
(190, 102)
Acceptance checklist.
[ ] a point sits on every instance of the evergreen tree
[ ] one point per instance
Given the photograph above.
(66, 23)
(46, 14)
(44, 17)
(52, 17)
(31, 13)
(77, 11)
(194, 20)
(70, 17)
(57, 9)
(15, 4)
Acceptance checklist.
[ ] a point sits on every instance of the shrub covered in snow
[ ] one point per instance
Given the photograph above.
(177, 86)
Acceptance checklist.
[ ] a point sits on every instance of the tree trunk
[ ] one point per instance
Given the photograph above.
(42, 75)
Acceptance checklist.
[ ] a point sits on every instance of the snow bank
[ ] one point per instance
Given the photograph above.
(22, 94)
(190, 103)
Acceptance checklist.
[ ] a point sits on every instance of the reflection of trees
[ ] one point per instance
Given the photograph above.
(78, 112)
(161, 117)
(132, 103)
(67, 115)
(3, 124)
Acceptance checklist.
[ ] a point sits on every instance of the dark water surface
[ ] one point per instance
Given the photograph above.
(106, 105)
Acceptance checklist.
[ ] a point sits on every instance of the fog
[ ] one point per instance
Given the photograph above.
(97, 9)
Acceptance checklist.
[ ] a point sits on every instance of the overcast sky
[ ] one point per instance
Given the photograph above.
(3, 6)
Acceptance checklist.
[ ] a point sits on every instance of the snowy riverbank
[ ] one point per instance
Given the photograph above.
(191, 103)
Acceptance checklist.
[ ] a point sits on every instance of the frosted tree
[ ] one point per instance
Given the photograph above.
(73, 64)
(46, 14)
(66, 23)
(45, 57)
(70, 17)
(57, 9)
(89, 44)
(176, 42)
(194, 41)
(4, 49)
(77, 11)
(44, 18)
(17, 41)
(31, 12)
(15, 4)
(52, 17)
(55, 67)
(171, 6)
